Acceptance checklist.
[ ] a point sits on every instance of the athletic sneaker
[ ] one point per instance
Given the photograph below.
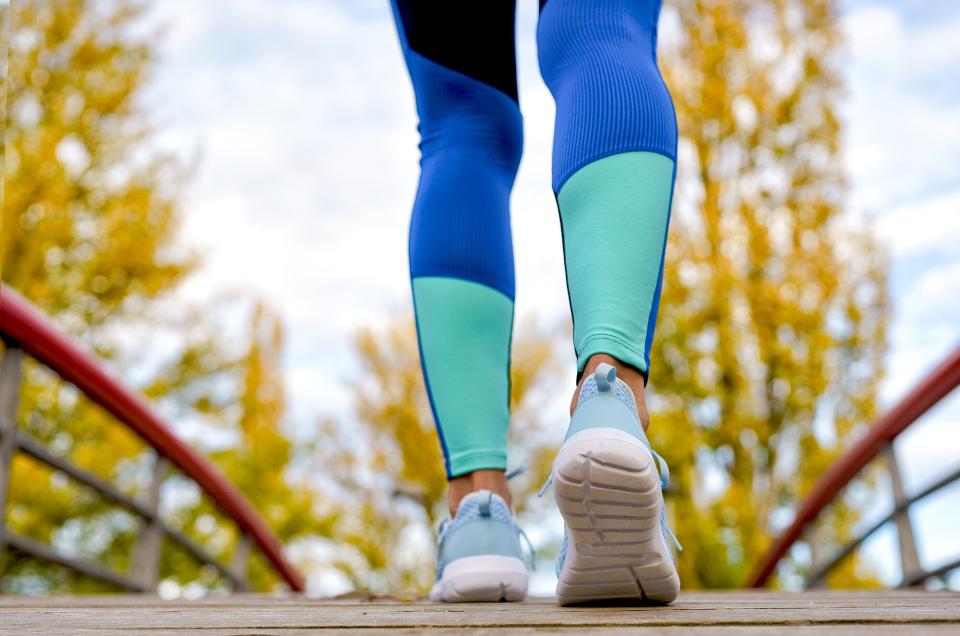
(609, 492)
(479, 557)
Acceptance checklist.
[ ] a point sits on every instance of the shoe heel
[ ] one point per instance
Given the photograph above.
(608, 492)
(482, 578)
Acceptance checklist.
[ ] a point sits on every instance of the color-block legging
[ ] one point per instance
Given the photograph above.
(613, 171)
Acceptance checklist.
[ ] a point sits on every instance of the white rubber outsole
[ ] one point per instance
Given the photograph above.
(484, 578)
(608, 491)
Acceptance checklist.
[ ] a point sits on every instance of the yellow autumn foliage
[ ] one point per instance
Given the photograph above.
(90, 219)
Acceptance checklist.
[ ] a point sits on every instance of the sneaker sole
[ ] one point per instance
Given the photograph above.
(608, 491)
(483, 578)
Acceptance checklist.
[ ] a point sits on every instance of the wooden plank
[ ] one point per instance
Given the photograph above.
(735, 598)
(721, 612)
(750, 630)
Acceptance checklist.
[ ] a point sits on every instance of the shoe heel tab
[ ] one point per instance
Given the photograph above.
(604, 376)
(485, 499)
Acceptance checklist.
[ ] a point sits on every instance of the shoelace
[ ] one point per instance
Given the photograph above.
(519, 470)
(664, 482)
(532, 557)
(666, 528)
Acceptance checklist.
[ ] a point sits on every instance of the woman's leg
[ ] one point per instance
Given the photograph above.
(613, 171)
(462, 62)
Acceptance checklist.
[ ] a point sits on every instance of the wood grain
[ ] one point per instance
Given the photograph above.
(741, 612)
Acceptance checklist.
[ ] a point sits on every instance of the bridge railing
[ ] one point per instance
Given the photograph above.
(877, 443)
(26, 332)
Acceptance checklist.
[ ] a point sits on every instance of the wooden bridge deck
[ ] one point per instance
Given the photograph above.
(742, 612)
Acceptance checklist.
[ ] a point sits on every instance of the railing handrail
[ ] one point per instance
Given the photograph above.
(24, 325)
(933, 388)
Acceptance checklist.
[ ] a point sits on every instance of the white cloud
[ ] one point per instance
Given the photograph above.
(923, 225)
(903, 131)
(935, 294)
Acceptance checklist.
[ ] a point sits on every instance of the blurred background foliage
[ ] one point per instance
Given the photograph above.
(767, 362)
(90, 220)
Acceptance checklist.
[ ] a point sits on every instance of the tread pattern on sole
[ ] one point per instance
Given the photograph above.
(608, 492)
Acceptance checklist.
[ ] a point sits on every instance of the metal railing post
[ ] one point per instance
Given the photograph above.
(11, 369)
(909, 558)
(146, 554)
(241, 561)
(816, 555)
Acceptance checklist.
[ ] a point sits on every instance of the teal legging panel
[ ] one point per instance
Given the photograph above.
(464, 329)
(614, 213)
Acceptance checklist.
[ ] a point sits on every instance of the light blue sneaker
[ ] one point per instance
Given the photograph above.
(616, 543)
(479, 557)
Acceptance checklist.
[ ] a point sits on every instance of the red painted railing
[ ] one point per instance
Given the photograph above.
(26, 326)
(933, 388)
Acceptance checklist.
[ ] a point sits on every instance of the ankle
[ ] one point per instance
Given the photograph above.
(487, 479)
(629, 374)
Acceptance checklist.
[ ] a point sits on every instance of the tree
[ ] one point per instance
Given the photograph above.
(90, 221)
(772, 325)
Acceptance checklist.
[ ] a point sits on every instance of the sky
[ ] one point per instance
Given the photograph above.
(299, 117)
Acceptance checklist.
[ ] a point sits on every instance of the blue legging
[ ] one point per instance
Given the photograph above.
(614, 158)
